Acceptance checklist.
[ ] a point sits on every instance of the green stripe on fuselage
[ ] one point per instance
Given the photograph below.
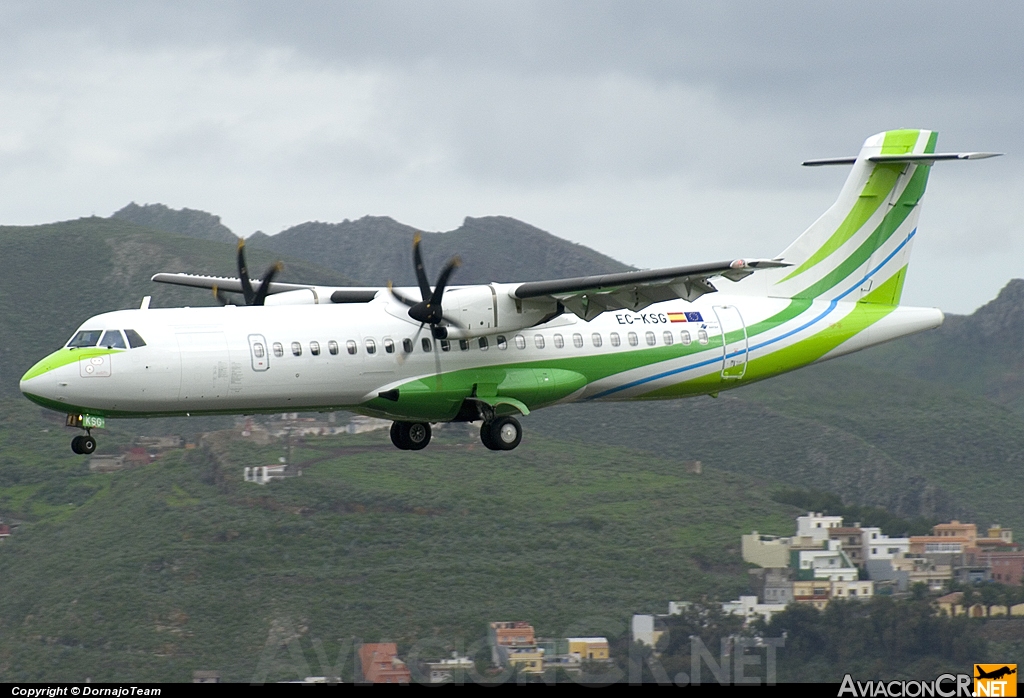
(863, 314)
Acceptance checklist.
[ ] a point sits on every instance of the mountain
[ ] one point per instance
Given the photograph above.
(187, 221)
(982, 353)
(377, 250)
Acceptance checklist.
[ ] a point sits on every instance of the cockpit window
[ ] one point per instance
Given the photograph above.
(85, 338)
(134, 339)
(112, 339)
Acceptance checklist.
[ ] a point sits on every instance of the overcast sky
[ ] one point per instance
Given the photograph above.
(658, 133)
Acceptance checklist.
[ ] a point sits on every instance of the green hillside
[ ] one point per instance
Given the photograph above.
(153, 573)
(874, 438)
(58, 275)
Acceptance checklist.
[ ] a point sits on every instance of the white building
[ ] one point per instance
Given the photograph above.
(750, 609)
(827, 563)
(816, 525)
(878, 546)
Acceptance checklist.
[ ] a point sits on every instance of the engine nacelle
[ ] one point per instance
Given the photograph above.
(485, 310)
(304, 296)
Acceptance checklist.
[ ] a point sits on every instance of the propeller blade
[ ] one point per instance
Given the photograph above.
(219, 295)
(421, 274)
(243, 274)
(442, 281)
(261, 294)
(408, 301)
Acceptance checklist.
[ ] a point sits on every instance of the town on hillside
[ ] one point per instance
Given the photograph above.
(826, 560)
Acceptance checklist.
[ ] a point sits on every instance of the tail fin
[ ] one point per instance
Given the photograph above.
(859, 248)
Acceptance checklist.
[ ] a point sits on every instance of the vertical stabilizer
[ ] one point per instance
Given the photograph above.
(858, 250)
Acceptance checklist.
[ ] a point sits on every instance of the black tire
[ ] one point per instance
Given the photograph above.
(396, 436)
(87, 444)
(76, 445)
(485, 436)
(417, 435)
(506, 433)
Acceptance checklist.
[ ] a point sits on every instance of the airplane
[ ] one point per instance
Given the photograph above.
(490, 353)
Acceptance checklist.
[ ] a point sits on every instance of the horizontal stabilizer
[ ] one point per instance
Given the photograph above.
(917, 158)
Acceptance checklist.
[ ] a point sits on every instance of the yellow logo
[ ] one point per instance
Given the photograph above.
(995, 680)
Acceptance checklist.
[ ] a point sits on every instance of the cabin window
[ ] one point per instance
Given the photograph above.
(257, 350)
(559, 341)
(134, 339)
(112, 339)
(632, 339)
(332, 347)
(651, 339)
(502, 342)
(85, 338)
(371, 346)
(483, 343)
(684, 337)
(351, 347)
(538, 341)
(278, 349)
(425, 343)
(445, 345)
(464, 344)
(614, 339)
(668, 338)
(520, 341)
(389, 345)
(314, 348)
(596, 339)
(407, 345)
(296, 349)
(702, 336)
(577, 340)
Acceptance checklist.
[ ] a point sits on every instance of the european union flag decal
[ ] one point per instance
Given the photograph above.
(694, 317)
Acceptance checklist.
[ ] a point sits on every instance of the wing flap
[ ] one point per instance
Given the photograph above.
(233, 285)
(589, 296)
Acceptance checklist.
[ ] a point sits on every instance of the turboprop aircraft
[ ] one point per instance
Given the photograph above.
(492, 352)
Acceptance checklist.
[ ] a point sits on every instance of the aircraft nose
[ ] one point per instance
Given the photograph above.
(39, 382)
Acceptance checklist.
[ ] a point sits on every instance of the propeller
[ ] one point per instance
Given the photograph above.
(428, 310)
(252, 296)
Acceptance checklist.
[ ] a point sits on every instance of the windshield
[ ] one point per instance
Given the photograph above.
(112, 339)
(85, 338)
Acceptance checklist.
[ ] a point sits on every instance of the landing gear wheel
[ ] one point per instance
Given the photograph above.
(485, 436)
(503, 434)
(83, 445)
(410, 436)
(417, 435)
(396, 436)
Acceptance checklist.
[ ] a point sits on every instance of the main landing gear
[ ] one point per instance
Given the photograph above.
(84, 444)
(410, 436)
(500, 434)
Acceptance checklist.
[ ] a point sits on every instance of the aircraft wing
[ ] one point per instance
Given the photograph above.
(589, 296)
(233, 285)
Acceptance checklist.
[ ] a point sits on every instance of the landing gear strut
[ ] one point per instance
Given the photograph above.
(410, 436)
(84, 444)
(501, 434)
